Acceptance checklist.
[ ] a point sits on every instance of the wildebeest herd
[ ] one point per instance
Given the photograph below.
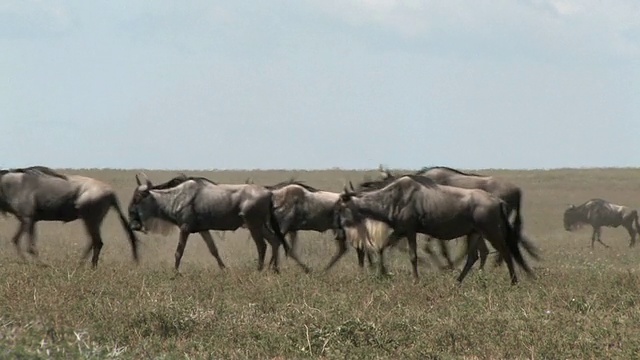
(439, 202)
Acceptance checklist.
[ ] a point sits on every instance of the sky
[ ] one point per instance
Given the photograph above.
(314, 84)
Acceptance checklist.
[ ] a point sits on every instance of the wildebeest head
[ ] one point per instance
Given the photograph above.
(571, 218)
(141, 205)
(346, 214)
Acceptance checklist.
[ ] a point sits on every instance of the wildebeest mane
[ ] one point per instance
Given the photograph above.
(379, 184)
(39, 170)
(179, 180)
(598, 201)
(292, 181)
(426, 168)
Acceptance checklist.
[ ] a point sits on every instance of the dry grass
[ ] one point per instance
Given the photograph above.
(583, 304)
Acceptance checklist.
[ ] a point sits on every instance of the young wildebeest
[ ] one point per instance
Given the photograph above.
(411, 205)
(300, 207)
(39, 193)
(197, 205)
(599, 213)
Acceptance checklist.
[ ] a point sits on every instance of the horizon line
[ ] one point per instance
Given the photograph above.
(341, 169)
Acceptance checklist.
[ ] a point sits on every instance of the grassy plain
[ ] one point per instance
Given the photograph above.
(584, 303)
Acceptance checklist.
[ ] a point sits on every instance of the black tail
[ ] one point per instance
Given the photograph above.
(125, 223)
(275, 226)
(635, 220)
(517, 222)
(513, 240)
(514, 205)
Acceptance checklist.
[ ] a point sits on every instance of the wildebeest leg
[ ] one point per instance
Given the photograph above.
(182, 242)
(413, 254)
(275, 246)
(499, 240)
(434, 257)
(16, 238)
(261, 245)
(445, 252)
(593, 237)
(293, 238)
(274, 263)
(472, 255)
(632, 233)
(483, 251)
(599, 232)
(382, 269)
(208, 239)
(369, 259)
(342, 249)
(360, 253)
(361, 256)
(30, 228)
(93, 229)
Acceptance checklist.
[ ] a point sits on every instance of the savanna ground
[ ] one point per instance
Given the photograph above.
(583, 304)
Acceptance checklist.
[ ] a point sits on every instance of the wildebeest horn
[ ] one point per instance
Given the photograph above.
(384, 172)
(145, 178)
(351, 186)
(138, 180)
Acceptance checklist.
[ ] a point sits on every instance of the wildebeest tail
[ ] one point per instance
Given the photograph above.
(275, 226)
(513, 240)
(515, 204)
(635, 220)
(133, 239)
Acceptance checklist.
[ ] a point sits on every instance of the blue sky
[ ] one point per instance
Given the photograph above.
(311, 84)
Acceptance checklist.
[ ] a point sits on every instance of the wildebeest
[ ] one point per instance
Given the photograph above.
(300, 207)
(197, 205)
(38, 193)
(505, 190)
(599, 213)
(413, 204)
(387, 177)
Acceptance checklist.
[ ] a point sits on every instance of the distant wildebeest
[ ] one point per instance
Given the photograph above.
(38, 193)
(197, 205)
(599, 213)
(300, 207)
(412, 204)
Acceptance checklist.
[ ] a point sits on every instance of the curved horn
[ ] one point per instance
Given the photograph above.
(146, 179)
(138, 180)
(384, 172)
(351, 186)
